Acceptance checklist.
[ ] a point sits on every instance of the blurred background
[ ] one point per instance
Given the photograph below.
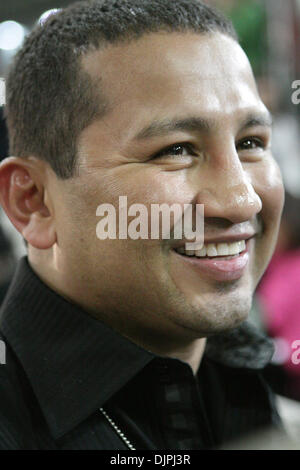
(269, 32)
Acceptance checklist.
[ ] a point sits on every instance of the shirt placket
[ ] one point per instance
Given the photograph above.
(182, 416)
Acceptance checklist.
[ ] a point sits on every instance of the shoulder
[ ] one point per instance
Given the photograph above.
(15, 417)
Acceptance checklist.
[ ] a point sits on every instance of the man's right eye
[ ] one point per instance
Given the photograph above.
(176, 150)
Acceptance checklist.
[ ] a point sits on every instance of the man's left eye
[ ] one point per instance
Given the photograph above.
(251, 144)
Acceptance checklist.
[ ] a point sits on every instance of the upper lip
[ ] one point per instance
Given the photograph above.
(220, 239)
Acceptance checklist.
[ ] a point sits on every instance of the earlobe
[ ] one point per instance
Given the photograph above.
(22, 197)
(39, 232)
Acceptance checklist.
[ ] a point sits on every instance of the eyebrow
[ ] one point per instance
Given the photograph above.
(198, 124)
(256, 120)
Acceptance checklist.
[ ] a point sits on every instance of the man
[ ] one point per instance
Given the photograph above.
(106, 338)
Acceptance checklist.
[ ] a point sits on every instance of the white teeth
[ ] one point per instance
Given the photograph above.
(242, 245)
(213, 249)
(201, 253)
(222, 249)
(237, 247)
(190, 252)
(233, 248)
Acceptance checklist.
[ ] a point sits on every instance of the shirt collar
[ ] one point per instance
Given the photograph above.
(75, 363)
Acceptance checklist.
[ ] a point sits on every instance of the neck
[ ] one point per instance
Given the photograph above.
(189, 351)
(192, 354)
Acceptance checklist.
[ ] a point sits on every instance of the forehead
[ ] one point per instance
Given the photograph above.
(174, 74)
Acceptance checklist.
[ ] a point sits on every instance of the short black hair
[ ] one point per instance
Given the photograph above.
(51, 99)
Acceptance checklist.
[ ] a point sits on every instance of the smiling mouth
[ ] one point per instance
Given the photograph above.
(219, 261)
(216, 250)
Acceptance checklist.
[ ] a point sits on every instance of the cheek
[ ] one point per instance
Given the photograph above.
(267, 182)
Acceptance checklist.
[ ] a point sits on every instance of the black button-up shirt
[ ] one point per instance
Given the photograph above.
(71, 382)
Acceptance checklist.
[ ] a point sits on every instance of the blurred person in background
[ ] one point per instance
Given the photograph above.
(278, 297)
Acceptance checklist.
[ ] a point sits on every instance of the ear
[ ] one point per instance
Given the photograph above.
(23, 197)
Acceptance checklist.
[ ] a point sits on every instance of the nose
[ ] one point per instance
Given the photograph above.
(230, 194)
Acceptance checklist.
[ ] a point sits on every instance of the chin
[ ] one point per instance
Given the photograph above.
(217, 316)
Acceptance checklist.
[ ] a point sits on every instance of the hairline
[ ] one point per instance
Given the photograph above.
(94, 105)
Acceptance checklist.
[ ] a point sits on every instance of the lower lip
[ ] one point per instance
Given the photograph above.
(220, 268)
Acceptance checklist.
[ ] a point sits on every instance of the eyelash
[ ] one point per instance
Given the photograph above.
(258, 141)
(168, 151)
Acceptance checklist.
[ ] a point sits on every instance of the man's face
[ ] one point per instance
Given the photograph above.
(197, 93)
